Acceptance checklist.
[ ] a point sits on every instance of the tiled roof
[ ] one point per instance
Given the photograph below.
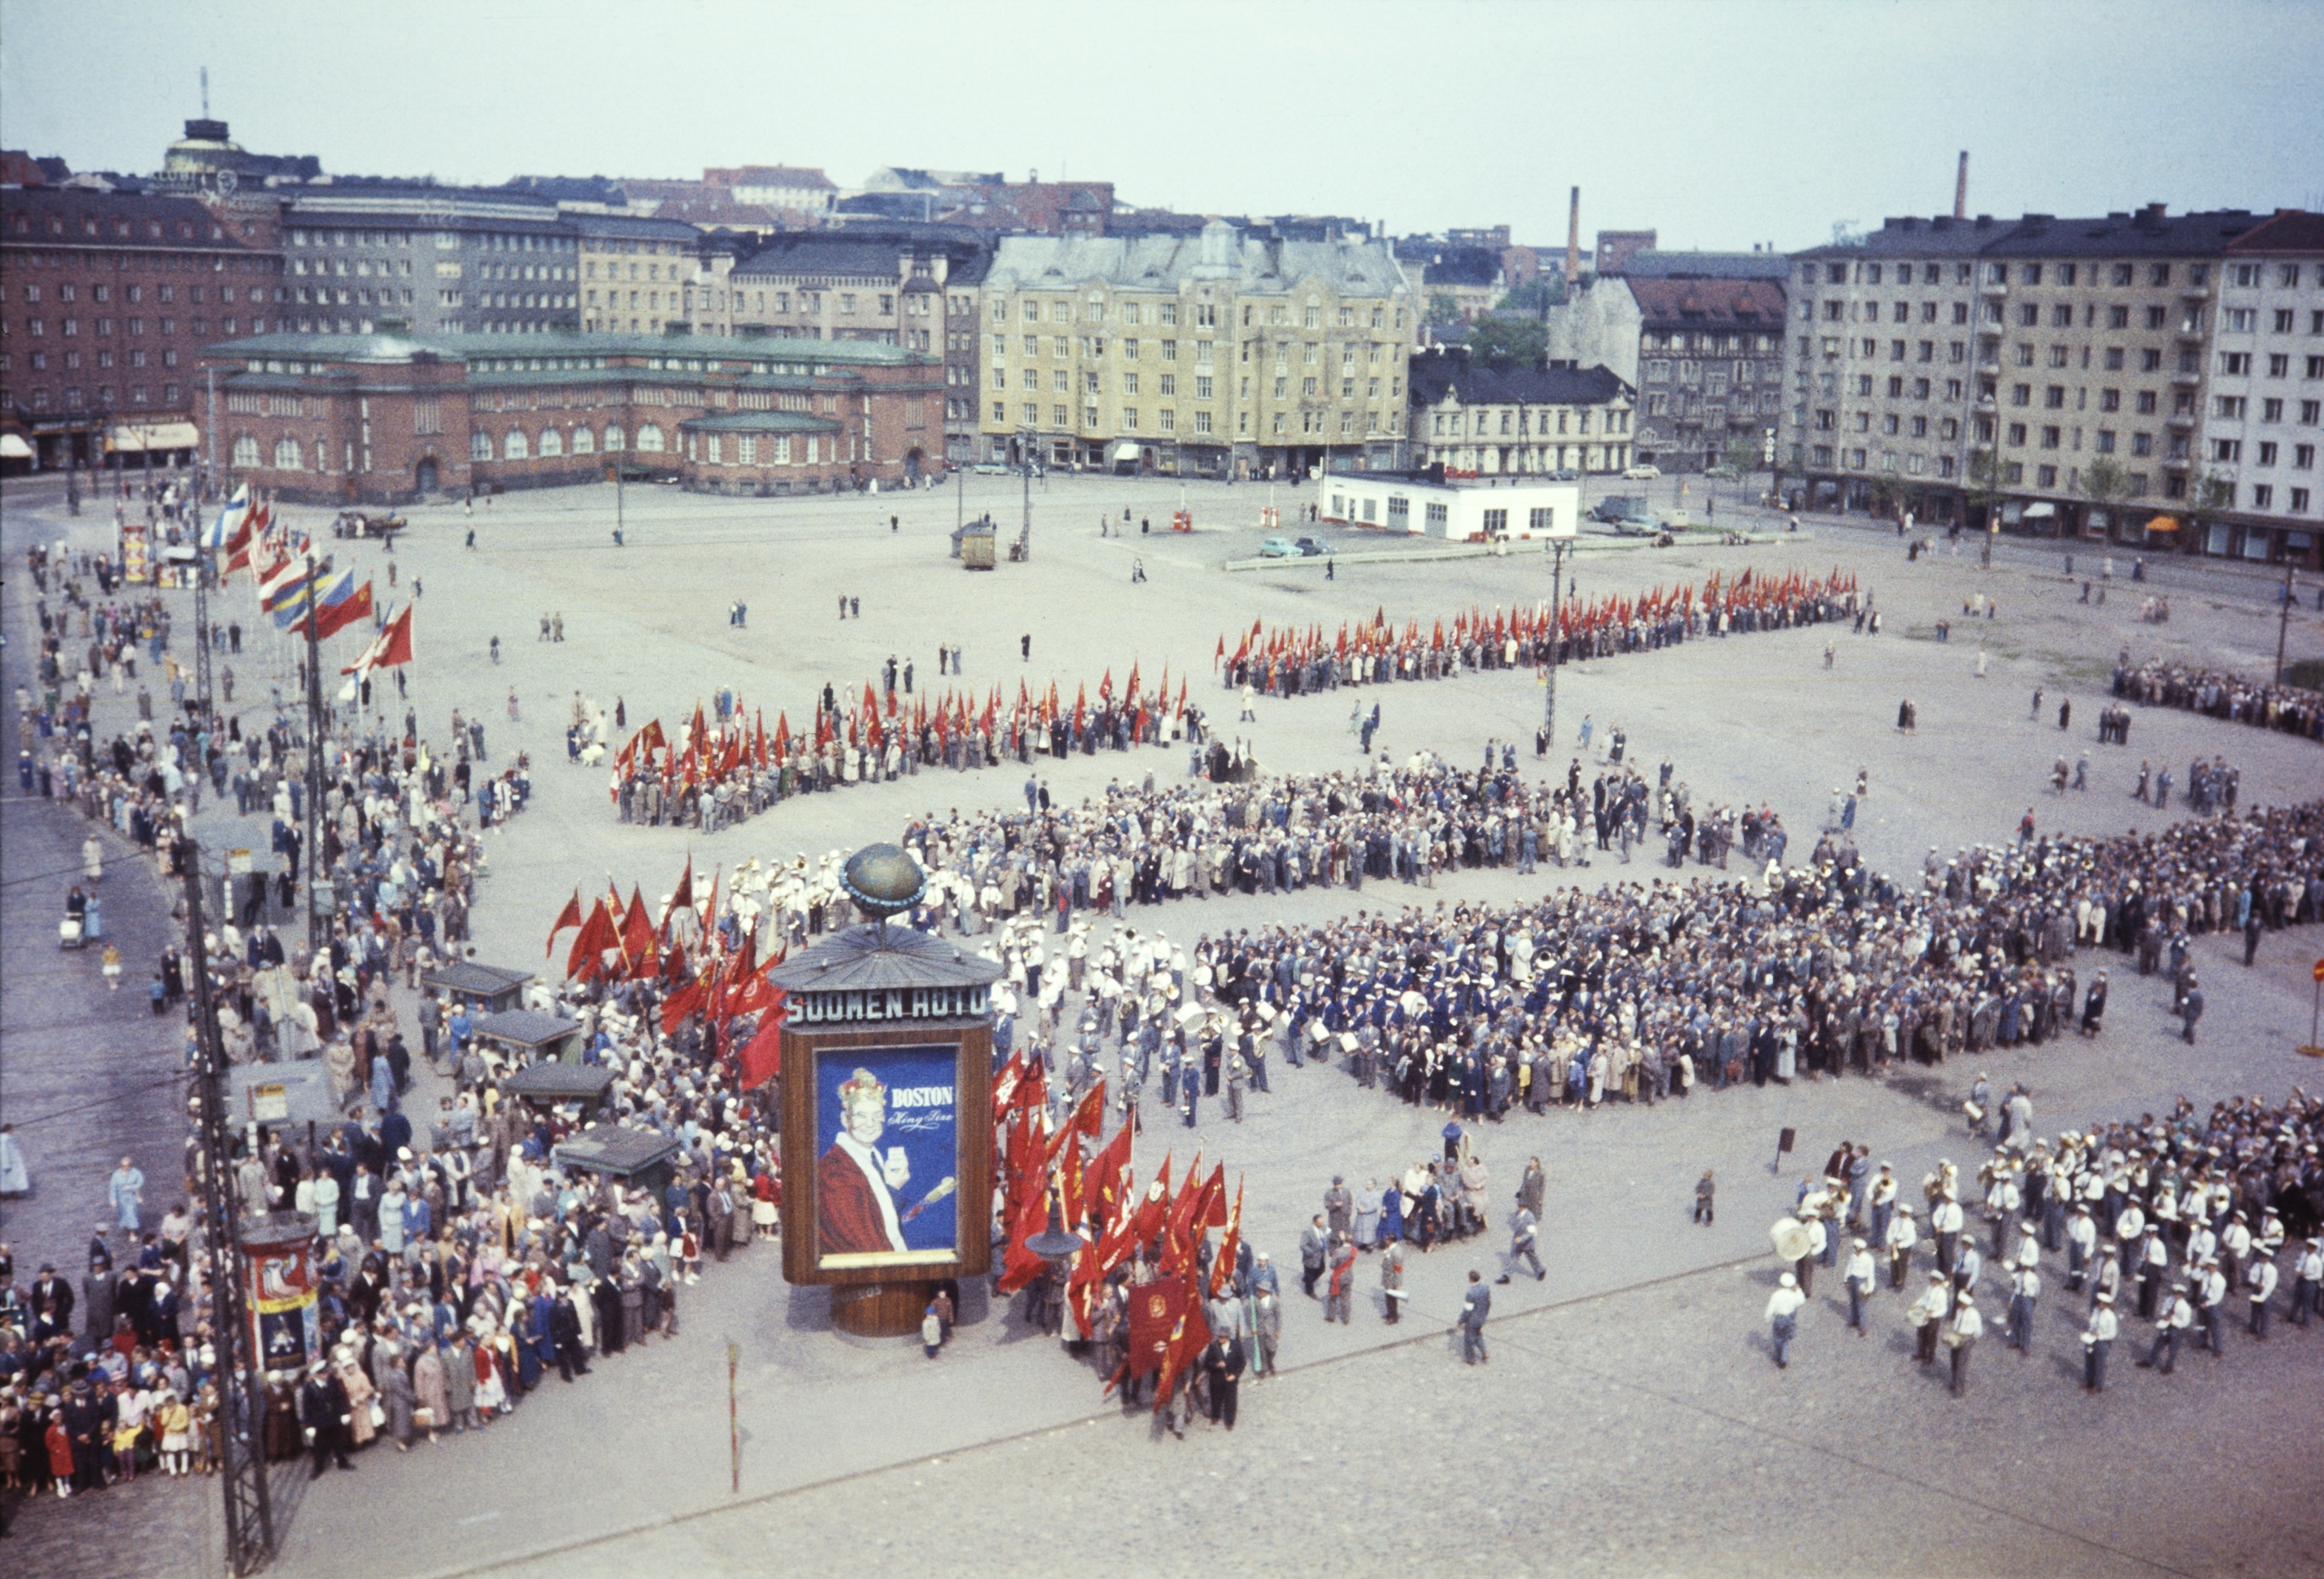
(1733, 303)
(1436, 375)
(2289, 230)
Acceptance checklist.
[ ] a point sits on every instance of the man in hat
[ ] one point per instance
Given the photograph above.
(1928, 1313)
(2097, 1342)
(2212, 1292)
(2175, 1321)
(2307, 1275)
(1783, 1318)
(2024, 1289)
(324, 1410)
(1961, 1337)
(2261, 1278)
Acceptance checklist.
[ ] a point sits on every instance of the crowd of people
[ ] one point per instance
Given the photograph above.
(2237, 699)
(2193, 1222)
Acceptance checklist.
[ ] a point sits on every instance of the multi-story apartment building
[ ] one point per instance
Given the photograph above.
(367, 258)
(1478, 422)
(1882, 364)
(633, 272)
(1711, 366)
(2264, 415)
(1225, 353)
(909, 286)
(106, 301)
(1939, 360)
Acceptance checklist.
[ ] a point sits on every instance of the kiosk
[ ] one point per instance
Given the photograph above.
(887, 1078)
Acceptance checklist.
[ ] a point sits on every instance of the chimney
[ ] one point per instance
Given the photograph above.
(1574, 239)
(1960, 189)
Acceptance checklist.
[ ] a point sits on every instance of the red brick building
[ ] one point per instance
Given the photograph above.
(339, 419)
(106, 303)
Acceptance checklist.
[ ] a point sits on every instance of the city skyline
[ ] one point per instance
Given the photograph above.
(1389, 154)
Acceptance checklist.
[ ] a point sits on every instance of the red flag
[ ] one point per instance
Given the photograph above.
(571, 915)
(597, 935)
(1105, 1188)
(637, 938)
(761, 1058)
(1194, 1331)
(1020, 1266)
(1222, 1265)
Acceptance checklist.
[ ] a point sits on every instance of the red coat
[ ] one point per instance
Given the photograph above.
(847, 1216)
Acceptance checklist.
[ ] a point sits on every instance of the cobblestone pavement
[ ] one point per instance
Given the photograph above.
(1652, 1348)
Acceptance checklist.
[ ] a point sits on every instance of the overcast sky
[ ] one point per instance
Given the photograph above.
(1719, 123)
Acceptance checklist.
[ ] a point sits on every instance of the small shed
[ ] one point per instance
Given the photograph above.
(554, 1084)
(641, 1159)
(526, 1037)
(484, 989)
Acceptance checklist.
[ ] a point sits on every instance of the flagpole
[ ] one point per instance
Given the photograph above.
(318, 920)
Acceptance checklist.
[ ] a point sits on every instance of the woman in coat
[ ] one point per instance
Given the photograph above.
(396, 1394)
(360, 1393)
(428, 1387)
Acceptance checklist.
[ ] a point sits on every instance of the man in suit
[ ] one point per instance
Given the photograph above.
(52, 1307)
(1222, 1362)
(324, 1410)
(1475, 1307)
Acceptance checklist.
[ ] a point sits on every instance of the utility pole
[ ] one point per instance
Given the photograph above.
(2283, 622)
(1557, 636)
(202, 563)
(242, 1410)
(318, 916)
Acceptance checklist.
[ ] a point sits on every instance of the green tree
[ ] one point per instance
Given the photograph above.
(1984, 489)
(1536, 296)
(1442, 309)
(2103, 482)
(1502, 343)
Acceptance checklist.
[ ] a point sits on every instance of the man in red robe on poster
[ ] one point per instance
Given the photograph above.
(855, 1181)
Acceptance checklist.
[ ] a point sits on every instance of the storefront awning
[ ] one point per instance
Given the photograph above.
(13, 447)
(2163, 523)
(125, 436)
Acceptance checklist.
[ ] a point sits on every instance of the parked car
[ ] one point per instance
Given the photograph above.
(1311, 547)
(1639, 473)
(1278, 547)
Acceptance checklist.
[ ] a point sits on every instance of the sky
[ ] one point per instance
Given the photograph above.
(1716, 123)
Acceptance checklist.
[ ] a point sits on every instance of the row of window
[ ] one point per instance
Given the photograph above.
(74, 398)
(1964, 272)
(1205, 314)
(1310, 424)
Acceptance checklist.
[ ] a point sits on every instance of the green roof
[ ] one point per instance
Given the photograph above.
(683, 349)
(760, 422)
